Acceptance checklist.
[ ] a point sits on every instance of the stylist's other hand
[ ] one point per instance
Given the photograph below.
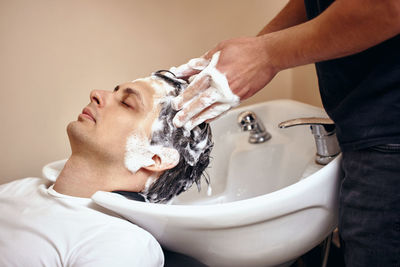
(247, 67)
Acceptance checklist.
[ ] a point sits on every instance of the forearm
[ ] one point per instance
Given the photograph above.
(345, 28)
(292, 14)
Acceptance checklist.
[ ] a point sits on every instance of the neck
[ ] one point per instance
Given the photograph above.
(83, 176)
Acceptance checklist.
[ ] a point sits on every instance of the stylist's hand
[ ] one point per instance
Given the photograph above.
(247, 67)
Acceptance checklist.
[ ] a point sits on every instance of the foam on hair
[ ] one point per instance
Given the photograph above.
(194, 148)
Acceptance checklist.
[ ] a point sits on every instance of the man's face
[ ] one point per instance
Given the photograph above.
(105, 124)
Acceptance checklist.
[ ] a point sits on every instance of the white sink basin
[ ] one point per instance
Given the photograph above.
(270, 202)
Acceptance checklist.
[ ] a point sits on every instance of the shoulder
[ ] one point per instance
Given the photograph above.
(21, 186)
(119, 244)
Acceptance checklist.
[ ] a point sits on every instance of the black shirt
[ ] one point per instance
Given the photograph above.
(361, 92)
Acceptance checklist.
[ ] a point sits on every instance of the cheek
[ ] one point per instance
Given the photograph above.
(115, 133)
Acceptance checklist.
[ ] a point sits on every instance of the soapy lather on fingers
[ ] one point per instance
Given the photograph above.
(207, 97)
(238, 67)
(187, 70)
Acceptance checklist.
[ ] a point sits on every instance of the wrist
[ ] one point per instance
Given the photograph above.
(270, 53)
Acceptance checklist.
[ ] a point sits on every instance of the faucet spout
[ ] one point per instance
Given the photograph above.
(306, 121)
(324, 132)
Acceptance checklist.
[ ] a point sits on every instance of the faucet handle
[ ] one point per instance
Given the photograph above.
(306, 121)
(248, 121)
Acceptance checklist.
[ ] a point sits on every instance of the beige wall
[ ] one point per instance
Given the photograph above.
(53, 53)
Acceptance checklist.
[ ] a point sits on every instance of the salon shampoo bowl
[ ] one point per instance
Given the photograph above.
(270, 202)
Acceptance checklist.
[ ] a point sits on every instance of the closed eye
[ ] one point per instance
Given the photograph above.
(126, 104)
(130, 98)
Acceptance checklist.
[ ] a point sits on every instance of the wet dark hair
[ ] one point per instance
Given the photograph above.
(194, 149)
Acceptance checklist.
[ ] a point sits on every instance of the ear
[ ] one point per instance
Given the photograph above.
(164, 158)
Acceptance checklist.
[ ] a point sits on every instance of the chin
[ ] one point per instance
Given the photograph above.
(77, 135)
(72, 129)
(82, 140)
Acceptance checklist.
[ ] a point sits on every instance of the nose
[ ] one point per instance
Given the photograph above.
(98, 97)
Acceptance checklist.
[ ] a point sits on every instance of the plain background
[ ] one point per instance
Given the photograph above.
(54, 52)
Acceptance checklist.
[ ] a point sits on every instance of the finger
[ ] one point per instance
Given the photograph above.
(214, 111)
(194, 66)
(208, 114)
(183, 71)
(201, 102)
(191, 79)
(187, 74)
(199, 84)
(216, 118)
(198, 63)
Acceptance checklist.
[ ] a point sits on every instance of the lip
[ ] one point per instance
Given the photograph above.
(87, 113)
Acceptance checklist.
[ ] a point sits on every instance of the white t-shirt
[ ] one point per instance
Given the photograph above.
(40, 227)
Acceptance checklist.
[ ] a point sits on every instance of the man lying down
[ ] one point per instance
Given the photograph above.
(123, 141)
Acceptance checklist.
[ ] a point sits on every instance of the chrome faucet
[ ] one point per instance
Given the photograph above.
(248, 121)
(324, 133)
